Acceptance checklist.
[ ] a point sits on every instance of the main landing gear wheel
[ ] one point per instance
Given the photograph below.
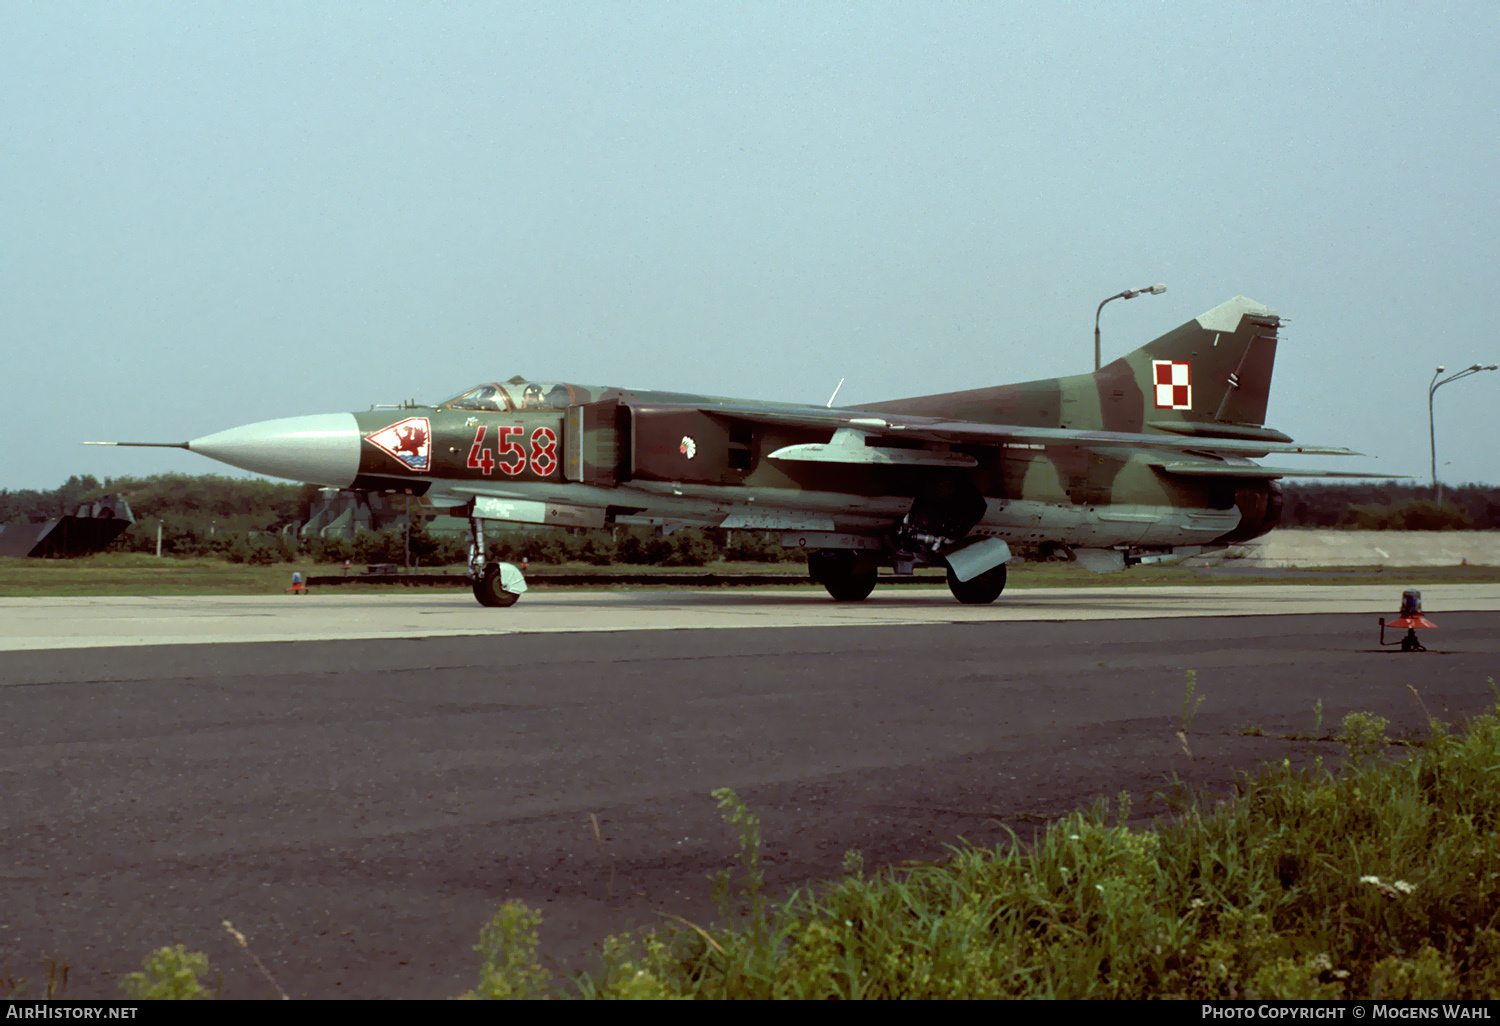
(488, 590)
(848, 575)
(981, 590)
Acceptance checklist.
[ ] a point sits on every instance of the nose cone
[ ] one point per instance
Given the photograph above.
(323, 449)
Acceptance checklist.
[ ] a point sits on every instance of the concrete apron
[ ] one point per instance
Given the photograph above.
(1313, 548)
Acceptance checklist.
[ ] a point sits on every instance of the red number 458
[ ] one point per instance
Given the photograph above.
(511, 457)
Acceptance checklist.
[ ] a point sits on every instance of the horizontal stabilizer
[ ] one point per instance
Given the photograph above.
(1189, 468)
(1201, 430)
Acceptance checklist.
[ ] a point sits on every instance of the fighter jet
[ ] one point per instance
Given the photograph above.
(1146, 459)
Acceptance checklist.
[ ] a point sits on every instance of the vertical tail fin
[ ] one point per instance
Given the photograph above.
(1212, 375)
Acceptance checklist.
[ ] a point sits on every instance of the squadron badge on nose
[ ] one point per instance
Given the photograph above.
(409, 441)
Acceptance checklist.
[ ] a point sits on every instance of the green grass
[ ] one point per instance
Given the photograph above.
(1069, 575)
(126, 574)
(139, 574)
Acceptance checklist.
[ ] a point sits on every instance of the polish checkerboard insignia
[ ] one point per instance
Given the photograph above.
(1174, 384)
(409, 441)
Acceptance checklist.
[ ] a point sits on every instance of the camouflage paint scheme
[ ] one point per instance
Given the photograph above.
(640, 436)
(1148, 457)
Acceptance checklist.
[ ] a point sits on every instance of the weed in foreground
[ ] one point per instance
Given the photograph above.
(12, 986)
(508, 944)
(1363, 734)
(169, 974)
(243, 943)
(737, 815)
(1191, 701)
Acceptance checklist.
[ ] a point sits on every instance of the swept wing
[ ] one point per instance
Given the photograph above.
(958, 432)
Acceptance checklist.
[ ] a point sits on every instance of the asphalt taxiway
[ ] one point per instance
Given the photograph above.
(357, 782)
(89, 622)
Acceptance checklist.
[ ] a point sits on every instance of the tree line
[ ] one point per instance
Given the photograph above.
(247, 503)
(1390, 506)
(254, 520)
(258, 521)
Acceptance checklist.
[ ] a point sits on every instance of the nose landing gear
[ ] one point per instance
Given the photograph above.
(496, 585)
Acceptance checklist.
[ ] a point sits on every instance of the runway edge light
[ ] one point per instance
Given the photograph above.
(1410, 617)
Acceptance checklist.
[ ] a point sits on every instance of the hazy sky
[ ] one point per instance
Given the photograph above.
(221, 213)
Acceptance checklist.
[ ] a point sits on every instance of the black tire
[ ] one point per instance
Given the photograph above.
(488, 590)
(981, 590)
(849, 576)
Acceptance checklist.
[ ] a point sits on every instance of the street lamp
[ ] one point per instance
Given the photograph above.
(1154, 290)
(1437, 489)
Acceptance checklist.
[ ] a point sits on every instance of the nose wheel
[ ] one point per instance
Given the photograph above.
(490, 590)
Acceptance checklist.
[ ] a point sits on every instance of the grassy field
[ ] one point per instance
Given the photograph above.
(139, 574)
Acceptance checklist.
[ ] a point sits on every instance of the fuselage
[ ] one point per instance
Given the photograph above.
(586, 456)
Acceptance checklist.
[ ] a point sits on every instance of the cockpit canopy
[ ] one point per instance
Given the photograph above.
(519, 394)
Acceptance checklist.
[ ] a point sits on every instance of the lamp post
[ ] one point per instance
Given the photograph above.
(1437, 489)
(1153, 290)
